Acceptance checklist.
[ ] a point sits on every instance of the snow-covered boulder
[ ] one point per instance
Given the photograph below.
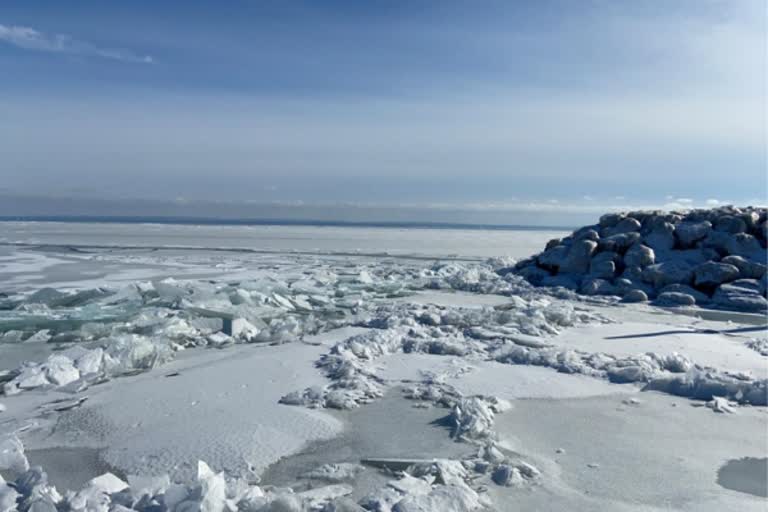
(742, 294)
(714, 274)
(695, 253)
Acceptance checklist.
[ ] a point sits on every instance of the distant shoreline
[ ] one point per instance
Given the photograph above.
(207, 221)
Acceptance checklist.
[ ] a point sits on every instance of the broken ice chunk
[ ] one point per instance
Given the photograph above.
(12, 456)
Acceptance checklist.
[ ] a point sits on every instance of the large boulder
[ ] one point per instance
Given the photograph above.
(698, 296)
(688, 233)
(553, 258)
(675, 299)
(587, 232)
(743, 244)
(742, 294)
(747, 269)
(609, 220)
(635, 295)
(602, 268)
(661, 237)
(626, 225)
(597, 287)
(639, 255)
(669, 272)
(579, 256)
(619, 243)
(711, 274)
(730, 224)
(534, 274)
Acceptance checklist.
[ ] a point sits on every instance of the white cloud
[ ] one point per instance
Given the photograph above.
(31, 39)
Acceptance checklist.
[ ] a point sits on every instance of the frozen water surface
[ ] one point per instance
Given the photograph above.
(315, 357)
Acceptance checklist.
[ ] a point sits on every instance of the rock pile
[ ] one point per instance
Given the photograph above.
(715, 257)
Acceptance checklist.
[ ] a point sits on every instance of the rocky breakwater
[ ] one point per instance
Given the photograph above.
(712, 257)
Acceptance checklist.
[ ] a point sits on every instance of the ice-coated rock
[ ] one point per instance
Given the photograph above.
(688, 233)
(509, 475)
(730, 224)
(669, 272)
(597, 287)
(553, 258)
(639, 255)
(698, 296)
(609, 220)
(586, 233)
(619, 243)
(602, 269)
(661, 238)
(742, 294)
(635, 295)
(747, 269)
(626, 225)
(743, 244)
(578, 258)
(675, 299)
(714, 274)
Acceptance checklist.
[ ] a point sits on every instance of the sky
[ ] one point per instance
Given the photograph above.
(487, 106)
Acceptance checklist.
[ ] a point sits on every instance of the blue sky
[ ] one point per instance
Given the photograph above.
(468, 104)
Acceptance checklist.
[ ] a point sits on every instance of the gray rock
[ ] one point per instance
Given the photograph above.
(762, 230)
(609, 220)
(619, 243)
(743, 244)
(579, 256)
(669, 272)
(742, 295)
(747, 269)
(587, 232)
(750, 219)
(661, 237)
(606, 256)
(698, 296)
(597, 287)
(717, 240)
(527, 262)
(626, 225)
(639, 255)
(552, 243)
(675, 299)
(602, 269)
(553, 258)
(714, 274)
(635, 295)
(533, 274)
(730, 224)
(566, 281)
(633, 274)
(688, 233)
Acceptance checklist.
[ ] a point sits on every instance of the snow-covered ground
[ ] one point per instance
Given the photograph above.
(477, 391)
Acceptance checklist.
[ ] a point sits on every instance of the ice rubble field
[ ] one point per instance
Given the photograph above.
(503, 396)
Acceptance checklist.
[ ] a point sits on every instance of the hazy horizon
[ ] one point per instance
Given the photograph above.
(550, 106)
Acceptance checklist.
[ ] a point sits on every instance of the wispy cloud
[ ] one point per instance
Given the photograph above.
(31, 39)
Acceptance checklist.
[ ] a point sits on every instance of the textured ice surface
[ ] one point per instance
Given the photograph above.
(331, 332)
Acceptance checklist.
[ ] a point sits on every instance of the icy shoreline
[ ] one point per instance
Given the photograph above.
(339, 325)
